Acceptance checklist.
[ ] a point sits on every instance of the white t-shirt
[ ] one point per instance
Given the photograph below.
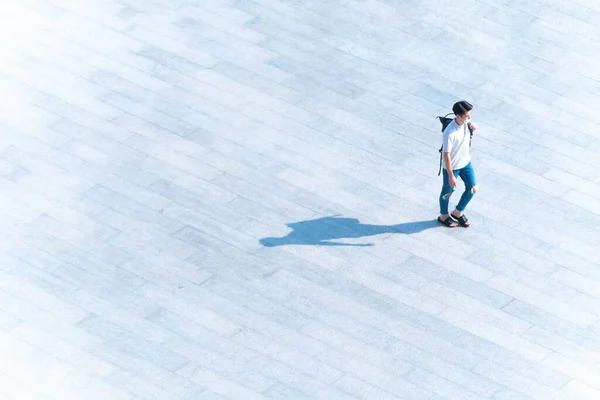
(456, 142)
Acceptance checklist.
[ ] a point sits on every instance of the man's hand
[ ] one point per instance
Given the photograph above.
(452, 180)
(473, 126)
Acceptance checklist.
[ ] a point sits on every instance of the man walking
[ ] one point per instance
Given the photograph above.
(457, 163)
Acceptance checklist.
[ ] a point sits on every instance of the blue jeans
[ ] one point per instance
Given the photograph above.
(467, 174)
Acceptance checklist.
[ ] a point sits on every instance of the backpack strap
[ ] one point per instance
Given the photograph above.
(471, 134)
(440, 171)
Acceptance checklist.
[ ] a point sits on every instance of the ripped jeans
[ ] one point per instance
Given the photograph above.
(467, 174)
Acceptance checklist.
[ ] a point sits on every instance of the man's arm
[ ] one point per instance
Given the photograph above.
(448, 165)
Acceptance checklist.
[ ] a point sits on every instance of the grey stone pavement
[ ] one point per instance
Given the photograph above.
(236, 199)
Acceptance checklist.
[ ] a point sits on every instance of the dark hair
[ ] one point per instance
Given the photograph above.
(462, 107)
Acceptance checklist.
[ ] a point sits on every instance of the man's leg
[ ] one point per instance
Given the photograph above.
(467, 174)
(447, 191)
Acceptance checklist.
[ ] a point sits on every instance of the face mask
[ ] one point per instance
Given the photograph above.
(466, 121)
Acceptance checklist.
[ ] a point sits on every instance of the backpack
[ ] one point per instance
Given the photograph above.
(445, 121)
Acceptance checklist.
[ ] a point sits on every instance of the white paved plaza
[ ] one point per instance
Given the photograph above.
(237, 199)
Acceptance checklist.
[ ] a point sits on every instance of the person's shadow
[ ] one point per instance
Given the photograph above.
(324, 231)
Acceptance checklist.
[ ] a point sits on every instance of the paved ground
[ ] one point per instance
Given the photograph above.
(236, 199)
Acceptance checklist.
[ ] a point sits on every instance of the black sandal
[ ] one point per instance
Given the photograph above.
(462, 221)
(448, 222)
